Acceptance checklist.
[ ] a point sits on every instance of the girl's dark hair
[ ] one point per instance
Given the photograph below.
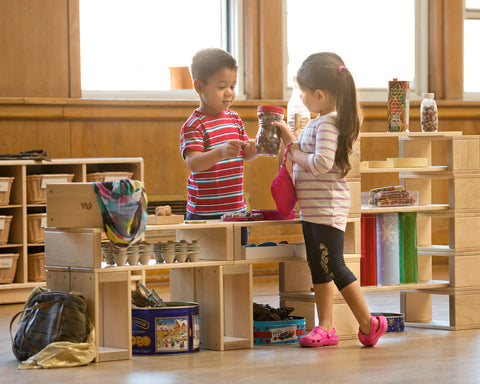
(208, 61)
(326, 71)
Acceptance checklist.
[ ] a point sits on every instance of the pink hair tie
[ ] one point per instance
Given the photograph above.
(340, 68)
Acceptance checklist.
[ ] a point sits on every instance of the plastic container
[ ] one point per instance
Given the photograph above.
(268, 140)
(429, 113)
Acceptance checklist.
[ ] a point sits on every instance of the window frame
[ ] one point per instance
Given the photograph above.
(470, 14)
(380, 94)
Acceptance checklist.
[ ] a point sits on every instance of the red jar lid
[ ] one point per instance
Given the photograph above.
(270, 109)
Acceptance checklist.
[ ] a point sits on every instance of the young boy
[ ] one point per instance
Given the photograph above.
(213, 140)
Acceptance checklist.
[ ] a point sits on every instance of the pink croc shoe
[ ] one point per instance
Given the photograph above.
(372, 339)
(319, 338)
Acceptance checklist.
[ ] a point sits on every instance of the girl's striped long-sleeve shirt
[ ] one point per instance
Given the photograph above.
(323, 197)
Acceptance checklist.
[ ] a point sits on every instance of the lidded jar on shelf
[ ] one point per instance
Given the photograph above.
(268, 140)
(429, 113)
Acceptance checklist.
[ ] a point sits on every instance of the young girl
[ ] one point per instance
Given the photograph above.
(320, 164)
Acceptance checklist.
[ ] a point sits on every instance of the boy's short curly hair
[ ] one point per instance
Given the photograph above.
(208, 61)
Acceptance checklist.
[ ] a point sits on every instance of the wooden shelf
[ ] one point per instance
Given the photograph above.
(19, 207)
(426, 170)
(409, 208)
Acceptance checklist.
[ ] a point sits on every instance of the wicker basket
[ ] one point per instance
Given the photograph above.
(35, 227)
(36, 267)
(5, 222)
(8, 267)
(37, 186)
(108, 176)
(5, 189)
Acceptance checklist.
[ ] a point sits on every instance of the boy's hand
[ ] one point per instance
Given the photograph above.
(231, 148)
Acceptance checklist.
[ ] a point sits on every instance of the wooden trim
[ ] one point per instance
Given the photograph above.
(453, 54)
(73, 36)
(271, 48)
(170, 110)
(251, 50)
(435, 49)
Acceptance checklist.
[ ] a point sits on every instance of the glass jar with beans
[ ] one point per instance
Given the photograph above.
(268, 140)
(429, 113)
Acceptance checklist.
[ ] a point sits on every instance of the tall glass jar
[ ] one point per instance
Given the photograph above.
(429, 113)
(268, 140)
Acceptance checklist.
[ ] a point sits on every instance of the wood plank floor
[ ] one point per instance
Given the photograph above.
(413, 356)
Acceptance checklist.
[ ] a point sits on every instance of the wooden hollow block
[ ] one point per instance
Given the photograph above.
(464, 193)
(417, 148)
(463, 153)
(353, 237)
(215, 243)
(464, 232)
(294, 276)
(73, 205)
(302, 309)
(417, 307)
(355, 196)
(465, 311)
(344, 321)
(464, 271)
(79, 248)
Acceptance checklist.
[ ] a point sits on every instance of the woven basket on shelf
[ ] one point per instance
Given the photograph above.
(5, 222)
(108, 176)
(35, 227)
(36, 267)
(5, 189)
(8, 267)
(37, 186)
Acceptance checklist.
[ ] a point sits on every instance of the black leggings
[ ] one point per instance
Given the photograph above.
(324, 246)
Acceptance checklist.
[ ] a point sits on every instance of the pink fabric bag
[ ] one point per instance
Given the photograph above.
(283, 190)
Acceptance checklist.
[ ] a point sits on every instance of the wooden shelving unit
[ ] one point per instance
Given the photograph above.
(19, 207)
(461, 170)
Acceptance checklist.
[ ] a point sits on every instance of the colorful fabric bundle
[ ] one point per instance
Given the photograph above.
(123, 205)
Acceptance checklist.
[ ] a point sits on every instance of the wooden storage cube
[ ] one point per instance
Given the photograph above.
(464, 270)
(108, 176)
(268, 252)
(5, 222)
(37, 186)
(464, 193)
(73, 205)
(8, 267)
(36, 222)
(5, 189)
(36, 267)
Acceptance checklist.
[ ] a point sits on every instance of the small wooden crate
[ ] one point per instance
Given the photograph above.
(108, 176)
(37, 186)
(5, 189)
(36, 222)
(8, 267)
(36, 267)
(5, 222)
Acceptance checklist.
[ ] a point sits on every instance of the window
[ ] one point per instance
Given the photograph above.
(128, 46)
(471, 78)
(377, 39)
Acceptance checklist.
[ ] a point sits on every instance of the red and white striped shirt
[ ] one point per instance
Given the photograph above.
(322, 196)
(219, 189)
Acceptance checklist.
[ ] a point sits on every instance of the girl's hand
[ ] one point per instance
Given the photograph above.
(285, 133)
